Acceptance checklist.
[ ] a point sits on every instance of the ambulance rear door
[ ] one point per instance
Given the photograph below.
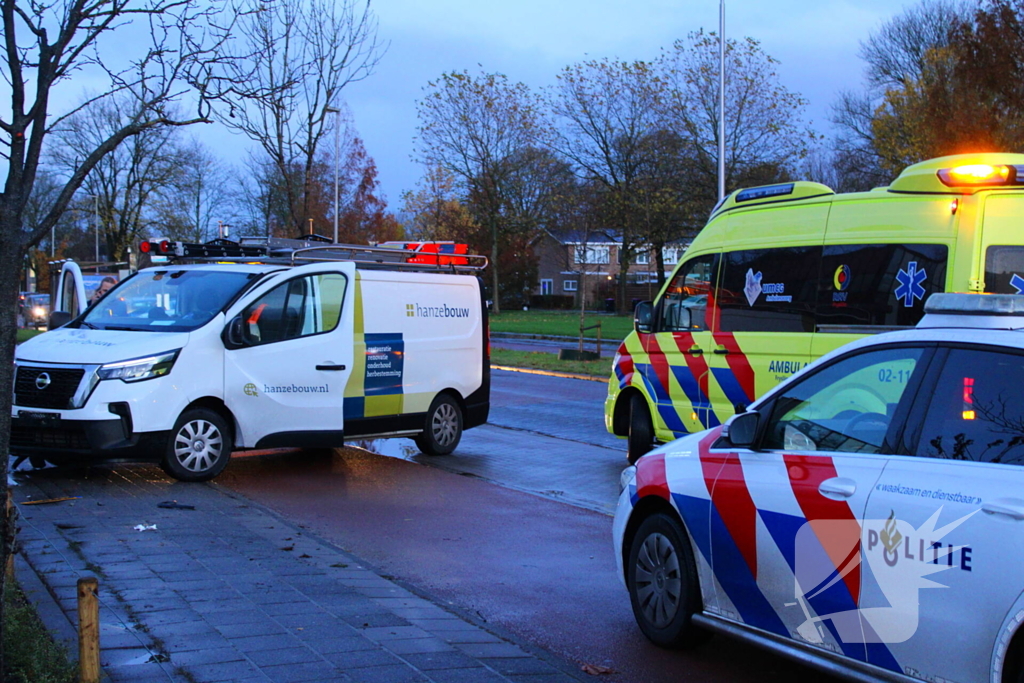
(1002, 244)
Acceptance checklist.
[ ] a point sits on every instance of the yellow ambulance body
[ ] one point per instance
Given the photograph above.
(783, 274)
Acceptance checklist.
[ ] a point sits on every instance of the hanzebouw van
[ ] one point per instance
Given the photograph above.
(236, 346)
(783, 274)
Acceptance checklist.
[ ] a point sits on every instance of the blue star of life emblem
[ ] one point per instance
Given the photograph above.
(1017, 282)
(910, 284)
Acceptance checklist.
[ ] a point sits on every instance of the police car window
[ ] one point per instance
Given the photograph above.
(1004, 270)
(845, 407)
(769, 290)
(975, 411)
(684, 305)
(878, 284)
(298, 308)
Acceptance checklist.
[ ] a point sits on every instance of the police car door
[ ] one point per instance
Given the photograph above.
(786, 523)
(676, 375)
(69, 291)
(945, 527)
(289, 355)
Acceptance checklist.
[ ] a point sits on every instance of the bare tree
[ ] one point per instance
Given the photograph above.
(184, 47)
(123, 186)
(605, 109)
(306, 52)
(198, 199)
(763, 126)
(478, 128)
(897, 56)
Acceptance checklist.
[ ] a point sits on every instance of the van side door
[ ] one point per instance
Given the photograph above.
(1002, 257)
(288, 355)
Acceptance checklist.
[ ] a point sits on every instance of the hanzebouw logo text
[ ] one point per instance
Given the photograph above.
(442, 311)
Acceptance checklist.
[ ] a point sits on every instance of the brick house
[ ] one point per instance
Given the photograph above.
(571, 264)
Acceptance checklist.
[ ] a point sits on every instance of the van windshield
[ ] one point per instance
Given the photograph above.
(166, 300)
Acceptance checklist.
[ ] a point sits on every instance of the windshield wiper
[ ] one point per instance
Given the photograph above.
(122, 329)
(88, 324)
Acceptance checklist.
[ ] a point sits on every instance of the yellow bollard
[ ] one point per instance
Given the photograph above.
(88, 630)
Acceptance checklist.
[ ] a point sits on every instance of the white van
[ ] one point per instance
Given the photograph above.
(248, 346)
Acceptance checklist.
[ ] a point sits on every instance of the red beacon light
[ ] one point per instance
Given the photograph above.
(972, 175)
(145, 247)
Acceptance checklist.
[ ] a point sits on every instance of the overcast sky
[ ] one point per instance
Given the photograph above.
(531, 40)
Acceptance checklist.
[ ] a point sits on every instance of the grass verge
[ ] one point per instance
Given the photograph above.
(540, 360)
(561, 323)
(25, 334)
(30, 654)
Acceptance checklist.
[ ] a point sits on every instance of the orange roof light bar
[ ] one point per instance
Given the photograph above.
(978, 174)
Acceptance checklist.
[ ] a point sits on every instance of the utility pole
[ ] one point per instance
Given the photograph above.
(337, 153)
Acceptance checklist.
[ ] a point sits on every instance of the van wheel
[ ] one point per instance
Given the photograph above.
(664, 589)
(641, 432)
(199, 447)
(443, 430)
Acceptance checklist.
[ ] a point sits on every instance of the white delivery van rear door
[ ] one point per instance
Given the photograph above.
(289, 356)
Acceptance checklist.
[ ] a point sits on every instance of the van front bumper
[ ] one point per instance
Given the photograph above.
(66, 441)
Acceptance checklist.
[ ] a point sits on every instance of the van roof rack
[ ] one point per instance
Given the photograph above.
(294, 252)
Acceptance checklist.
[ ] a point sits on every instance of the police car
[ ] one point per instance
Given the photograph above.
(865, 517)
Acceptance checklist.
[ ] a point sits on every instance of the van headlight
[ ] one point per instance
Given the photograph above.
(138, 369)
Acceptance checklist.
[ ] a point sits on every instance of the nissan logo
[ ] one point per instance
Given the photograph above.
(42, 381)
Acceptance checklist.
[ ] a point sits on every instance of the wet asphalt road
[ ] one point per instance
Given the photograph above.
(515, 527)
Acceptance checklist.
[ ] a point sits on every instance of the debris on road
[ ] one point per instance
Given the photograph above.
(145, 527)
(175, 505)
(596, 670)
(50, 500)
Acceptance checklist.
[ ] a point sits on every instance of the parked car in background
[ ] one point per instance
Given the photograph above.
(34, 309)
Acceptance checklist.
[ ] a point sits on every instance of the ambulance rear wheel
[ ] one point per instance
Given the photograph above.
(664, 589)
(199, 447)
(641, 432)
(443, 429)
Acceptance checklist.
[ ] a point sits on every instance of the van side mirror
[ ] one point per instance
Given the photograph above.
(643, 316)
(234, 334)
(741, 430)
(58, 319)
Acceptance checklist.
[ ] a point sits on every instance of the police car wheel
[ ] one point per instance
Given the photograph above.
(663, 585)
(199, 447)
(443, 429)
(640, 439)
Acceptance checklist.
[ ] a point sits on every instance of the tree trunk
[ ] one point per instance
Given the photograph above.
(495, 294)
(620, 304)
(659, 263)
(12, 254)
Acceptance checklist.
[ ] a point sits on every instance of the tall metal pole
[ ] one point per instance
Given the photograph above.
(721, 99)
(96, 222)
(337, 153)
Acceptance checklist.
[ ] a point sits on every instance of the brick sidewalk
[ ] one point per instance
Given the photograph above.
(232, 592)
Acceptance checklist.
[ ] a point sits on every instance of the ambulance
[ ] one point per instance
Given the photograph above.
(783, 274)
(258, 344)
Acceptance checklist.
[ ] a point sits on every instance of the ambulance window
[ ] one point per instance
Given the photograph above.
(769, 290)
(878, 284)
(683, 307)
(298, 308)
(975, 412)
(846, 407)
(1004, 270)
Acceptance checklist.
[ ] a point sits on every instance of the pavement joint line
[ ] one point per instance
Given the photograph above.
(129, 491)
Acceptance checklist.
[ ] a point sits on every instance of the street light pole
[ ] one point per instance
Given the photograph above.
(721, 99)
(337, 153)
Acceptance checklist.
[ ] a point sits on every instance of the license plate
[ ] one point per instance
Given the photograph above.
(34, 419)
